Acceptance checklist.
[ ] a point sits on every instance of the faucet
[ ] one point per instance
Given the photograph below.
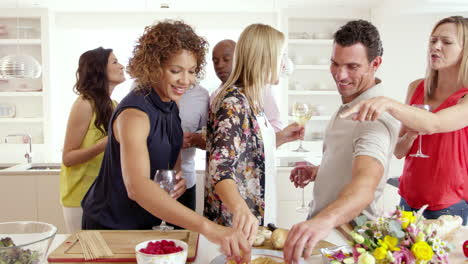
(28, 155)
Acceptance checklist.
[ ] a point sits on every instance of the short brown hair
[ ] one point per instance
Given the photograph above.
(360, 31)
(158, 44)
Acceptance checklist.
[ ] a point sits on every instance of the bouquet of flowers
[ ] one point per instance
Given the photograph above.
(400, 238)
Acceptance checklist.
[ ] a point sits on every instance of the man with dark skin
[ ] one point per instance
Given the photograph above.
(223, 54)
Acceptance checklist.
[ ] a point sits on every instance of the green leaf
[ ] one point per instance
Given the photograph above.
(360, 220)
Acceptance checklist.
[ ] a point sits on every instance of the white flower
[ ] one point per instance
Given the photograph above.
(381, 220)
(378, 234)
(357, 237)
(366, 258)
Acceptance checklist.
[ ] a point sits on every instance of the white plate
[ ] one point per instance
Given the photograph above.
(274, 254)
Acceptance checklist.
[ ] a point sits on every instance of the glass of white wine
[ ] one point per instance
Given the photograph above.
(301, 113)
(419, 153)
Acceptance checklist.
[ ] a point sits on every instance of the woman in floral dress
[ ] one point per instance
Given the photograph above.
(240, 177)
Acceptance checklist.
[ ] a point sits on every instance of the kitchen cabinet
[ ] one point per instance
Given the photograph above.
(31, 196)
(18, 198)
(24, 102)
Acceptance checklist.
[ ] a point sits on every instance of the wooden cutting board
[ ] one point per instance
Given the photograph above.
(321, 244)
(122, 243)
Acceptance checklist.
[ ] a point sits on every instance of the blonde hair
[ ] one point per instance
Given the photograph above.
(432, 76)
(255, 64)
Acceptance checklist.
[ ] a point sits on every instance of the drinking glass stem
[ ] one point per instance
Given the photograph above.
(420, 145)
(303, 199)
(300, 144)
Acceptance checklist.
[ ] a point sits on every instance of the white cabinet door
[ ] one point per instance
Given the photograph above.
(48, 201)
(18, 198)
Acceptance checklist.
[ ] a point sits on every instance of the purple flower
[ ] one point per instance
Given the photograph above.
(339, 256)
(404, 256)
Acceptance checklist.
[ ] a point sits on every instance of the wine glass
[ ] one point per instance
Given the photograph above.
(303, 208)
(419, 153)
(166, 180)
(301, 113)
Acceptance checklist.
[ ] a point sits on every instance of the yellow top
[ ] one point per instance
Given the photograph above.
(76, 180)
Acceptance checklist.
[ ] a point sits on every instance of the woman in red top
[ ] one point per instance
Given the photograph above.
(441, 180)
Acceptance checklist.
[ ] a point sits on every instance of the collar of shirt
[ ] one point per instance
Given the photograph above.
(374, 91)
(156, 100)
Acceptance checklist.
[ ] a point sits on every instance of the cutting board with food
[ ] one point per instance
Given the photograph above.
(121, 244)
(274, 238)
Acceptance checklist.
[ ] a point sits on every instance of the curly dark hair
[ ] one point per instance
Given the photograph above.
(92, 83)
(360, 31)
(158, 44)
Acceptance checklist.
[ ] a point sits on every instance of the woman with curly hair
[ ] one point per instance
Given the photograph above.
(86, 137)
(145, 135)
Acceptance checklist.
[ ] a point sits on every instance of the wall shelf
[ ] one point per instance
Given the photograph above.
(314, 118)
(312, 67)
(310, 41)
(20, 41)
(21, 120)
(20, 94)
(316, 92)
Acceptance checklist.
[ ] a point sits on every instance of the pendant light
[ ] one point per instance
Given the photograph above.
(18, 66)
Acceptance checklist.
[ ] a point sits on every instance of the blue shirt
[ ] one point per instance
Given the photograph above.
(107, 201)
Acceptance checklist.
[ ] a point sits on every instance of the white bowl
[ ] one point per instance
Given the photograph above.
(173, 258)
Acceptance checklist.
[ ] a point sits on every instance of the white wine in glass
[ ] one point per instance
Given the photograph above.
(419, 153)
(301, 113)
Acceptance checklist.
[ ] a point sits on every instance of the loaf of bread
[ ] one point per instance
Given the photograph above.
(278, 238)
(446, 225)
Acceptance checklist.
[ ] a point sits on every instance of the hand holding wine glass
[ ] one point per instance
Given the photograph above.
(419, 153)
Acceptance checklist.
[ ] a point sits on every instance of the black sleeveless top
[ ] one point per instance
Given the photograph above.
(107, 201)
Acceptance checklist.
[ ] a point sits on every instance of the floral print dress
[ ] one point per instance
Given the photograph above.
(234, 150)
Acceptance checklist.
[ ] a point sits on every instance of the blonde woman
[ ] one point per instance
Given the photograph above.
(444, 89)
(240, 184)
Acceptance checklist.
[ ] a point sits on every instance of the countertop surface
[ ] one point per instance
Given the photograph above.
(207, 251)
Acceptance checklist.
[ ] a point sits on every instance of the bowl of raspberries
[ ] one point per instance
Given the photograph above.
(161, 251)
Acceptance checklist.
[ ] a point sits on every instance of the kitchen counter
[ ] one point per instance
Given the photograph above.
(32, 169)
(207, 250)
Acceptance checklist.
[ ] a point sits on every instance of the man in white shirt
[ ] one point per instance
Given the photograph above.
(356, 155)
(223, 54)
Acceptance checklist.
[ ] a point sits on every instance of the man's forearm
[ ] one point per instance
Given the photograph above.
(357, 195)
(349, 204)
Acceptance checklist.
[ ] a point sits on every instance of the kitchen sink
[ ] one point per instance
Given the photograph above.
(53, 167)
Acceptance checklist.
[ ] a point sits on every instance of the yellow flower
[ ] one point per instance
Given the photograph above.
(392, 243)
(380, 253)
(382, 244)
(422, 251)
(407, 218)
